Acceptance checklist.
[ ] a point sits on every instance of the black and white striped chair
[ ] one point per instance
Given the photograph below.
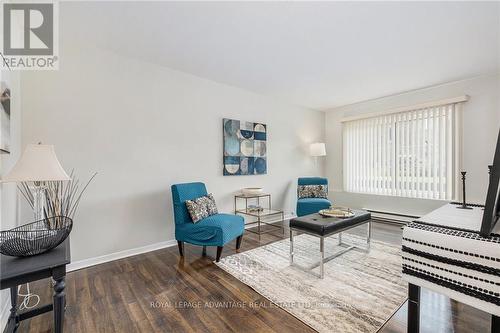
(443, 252)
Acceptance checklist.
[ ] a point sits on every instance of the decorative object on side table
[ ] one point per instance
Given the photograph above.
(464, 202)
(255, 208)
(252, 190)
(35, 238)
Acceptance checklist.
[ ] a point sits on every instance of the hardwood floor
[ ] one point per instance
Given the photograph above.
(158, 292)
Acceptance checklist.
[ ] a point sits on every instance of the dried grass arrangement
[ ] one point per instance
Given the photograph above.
(61, 198)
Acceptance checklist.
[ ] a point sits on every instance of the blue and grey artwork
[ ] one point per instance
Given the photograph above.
(244, 148)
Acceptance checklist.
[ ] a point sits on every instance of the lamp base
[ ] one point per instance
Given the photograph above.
(38, 191)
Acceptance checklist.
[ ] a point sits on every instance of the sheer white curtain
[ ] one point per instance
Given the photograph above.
(408, 154)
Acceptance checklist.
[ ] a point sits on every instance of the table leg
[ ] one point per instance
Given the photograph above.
(59, 304)
(283, 222)
(340, 238)
(369, 235)
(322, 250)
(291, 246)
(13, 321)
(413, 324)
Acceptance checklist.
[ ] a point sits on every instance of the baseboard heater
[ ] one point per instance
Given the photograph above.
(391, 217)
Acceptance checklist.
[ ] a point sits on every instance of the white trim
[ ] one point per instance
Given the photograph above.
(118, 255)
(430, 104)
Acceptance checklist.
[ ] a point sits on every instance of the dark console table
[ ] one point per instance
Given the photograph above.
(16, 271)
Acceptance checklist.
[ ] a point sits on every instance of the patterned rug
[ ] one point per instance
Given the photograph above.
(359, 293)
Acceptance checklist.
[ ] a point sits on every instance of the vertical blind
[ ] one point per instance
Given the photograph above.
(408, 154)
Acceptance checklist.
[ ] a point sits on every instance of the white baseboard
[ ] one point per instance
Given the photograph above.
(118, 255)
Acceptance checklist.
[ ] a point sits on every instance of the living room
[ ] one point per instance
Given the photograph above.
(260, 102)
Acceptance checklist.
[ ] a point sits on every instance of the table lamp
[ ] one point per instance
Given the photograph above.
(37, 165)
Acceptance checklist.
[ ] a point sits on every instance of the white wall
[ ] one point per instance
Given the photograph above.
(143, 127)
(8, 193)
(481, 119)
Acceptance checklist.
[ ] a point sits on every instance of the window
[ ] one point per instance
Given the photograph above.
(410, 154)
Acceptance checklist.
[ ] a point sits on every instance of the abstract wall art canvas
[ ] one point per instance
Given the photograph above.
(4, 118)
(244, 148)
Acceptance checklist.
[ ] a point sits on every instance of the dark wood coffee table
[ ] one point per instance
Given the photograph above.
(322, 227)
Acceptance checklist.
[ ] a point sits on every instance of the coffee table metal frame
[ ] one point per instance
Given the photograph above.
(323, 260)
(259, 214)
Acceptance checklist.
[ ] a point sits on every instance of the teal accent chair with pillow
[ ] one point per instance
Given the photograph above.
(306, 206)
(215, 230)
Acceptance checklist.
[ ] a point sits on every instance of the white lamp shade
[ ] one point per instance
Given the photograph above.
(37, 163)
(317, 149)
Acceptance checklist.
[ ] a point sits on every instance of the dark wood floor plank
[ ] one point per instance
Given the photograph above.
(120, 296)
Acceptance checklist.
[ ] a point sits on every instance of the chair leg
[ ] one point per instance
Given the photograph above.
(219, 253)
(181, 248)
(238, 242)
(204, 253)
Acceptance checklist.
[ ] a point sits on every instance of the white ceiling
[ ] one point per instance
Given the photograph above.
(319, 55)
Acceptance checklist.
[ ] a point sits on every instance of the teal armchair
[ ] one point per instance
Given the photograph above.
(216, 230)
(306, 206)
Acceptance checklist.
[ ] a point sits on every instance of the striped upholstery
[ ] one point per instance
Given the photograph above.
(455, 262)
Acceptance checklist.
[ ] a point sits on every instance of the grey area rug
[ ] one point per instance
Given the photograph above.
(359, 293)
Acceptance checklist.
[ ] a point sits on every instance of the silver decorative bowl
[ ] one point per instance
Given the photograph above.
(252, 190)
(36, 237)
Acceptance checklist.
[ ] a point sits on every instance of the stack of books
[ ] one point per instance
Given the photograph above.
(255, 208)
